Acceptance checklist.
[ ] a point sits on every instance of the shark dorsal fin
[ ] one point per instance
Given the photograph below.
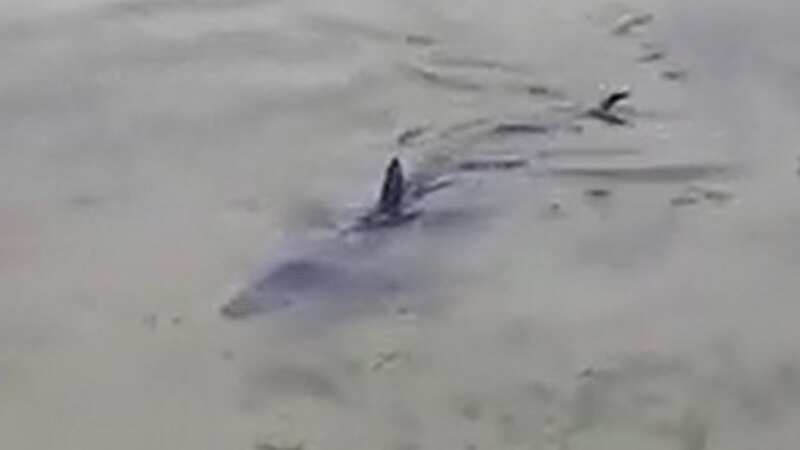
(393, 188)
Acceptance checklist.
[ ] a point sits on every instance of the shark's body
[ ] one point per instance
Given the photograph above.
(376, 257)
(390, 250)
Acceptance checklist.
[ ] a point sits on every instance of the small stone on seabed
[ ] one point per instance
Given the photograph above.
(575, 128)
(684, 200)
(655, 55)
(674, 74)
(271, 446)
(404, 312)
(418, 39)
(711, 192)
(597, 193)
(538, 90)
(150, 321)
(86, 201)
(472, 410)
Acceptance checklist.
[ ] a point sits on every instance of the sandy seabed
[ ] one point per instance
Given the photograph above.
(153, 154)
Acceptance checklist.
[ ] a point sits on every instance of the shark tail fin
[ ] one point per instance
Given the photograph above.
(614, 98)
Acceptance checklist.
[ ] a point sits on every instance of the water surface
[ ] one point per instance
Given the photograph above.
(154, 155)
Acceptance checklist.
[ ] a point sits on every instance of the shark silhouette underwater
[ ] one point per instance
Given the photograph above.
(374, 258)
(391, 250)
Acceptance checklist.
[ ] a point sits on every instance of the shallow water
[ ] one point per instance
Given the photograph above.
(154, 155)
